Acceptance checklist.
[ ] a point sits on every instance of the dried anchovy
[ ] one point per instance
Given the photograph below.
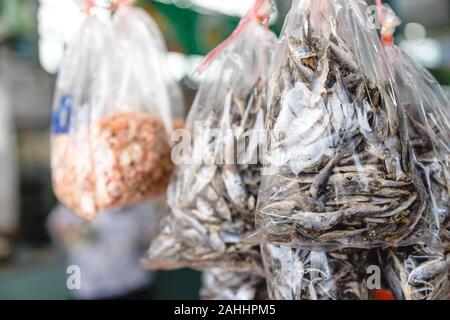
(418, 272)
(118, 161)
(421, 272)
(427, 140)
(346, 177)
(434, 169)
(298, 274)
(211, 206)
(219, 284)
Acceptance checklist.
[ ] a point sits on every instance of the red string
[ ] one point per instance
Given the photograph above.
(258, 12)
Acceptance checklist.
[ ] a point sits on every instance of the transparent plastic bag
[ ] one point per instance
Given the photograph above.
(428, 126)
(160, 56)
(418, 272)
(422, 272)
(219, 284)
(297, 274)
(339, 170)
(112, 116)
(212, 196)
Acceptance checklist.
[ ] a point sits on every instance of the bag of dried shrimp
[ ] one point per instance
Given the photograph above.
(112, 115)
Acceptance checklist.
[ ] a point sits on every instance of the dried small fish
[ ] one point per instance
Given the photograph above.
(215, 201)
(219, 200)
(428, 126)
(298, 274)
(343, 128)
(235, 186)
(418, 272)
(422, 272)
(300, 50)
(219, 284)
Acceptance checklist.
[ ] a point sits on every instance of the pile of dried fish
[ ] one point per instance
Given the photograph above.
(124, 159)
(344, 174)
(212, 202)
(418, 272)
(422, 272)
(297, 274)
(219, 284)
(428, 127)
(211, 206)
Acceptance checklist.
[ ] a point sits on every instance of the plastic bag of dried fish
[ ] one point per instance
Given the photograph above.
(112, 116)
(297, 274)
(218, 284)
(422, 272)
(212, 195)
(428, 126)
(339, 170)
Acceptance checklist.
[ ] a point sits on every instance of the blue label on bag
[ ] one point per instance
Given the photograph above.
(62, 115)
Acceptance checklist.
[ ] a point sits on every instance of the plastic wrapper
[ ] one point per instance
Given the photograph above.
(218, 284)
(339, 170)
(112, 116)
(174, 91)
(297, 274)
(212, 196)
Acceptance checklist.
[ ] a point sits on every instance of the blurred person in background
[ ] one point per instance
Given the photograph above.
(107, 251)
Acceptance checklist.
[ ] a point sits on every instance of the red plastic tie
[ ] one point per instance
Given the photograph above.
(384, 295)
(386, 39)
(260, 12)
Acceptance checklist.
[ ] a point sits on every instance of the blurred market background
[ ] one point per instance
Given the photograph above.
(33, 34)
